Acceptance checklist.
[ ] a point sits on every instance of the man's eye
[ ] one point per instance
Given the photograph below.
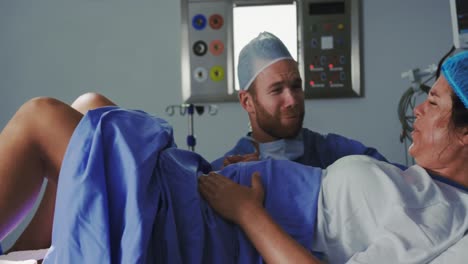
(276, 90)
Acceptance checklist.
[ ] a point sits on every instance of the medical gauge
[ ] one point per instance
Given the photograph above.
(327, 37)
(459, 13)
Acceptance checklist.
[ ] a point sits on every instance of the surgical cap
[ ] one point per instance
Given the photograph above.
(455, 70)
(257, 55)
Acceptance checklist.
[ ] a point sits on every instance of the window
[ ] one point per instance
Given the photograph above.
(249, 21)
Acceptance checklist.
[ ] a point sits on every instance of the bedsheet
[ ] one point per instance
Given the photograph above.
(126, 194)
(457, 254)
(23, 257)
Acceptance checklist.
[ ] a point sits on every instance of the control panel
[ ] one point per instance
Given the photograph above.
(328, 47)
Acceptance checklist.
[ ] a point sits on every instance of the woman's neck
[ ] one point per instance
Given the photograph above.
(456, 172)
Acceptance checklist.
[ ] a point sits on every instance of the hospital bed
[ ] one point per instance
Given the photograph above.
(180, 230)
(23, 257)
(457, 254)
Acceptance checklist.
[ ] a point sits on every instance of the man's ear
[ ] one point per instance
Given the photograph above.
(245, 99)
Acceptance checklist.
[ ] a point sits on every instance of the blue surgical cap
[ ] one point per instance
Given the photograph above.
(257, 55)
(455, 70)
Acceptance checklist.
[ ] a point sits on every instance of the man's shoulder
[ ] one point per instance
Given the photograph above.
(308, 132)
(314, 135)
(243, 146)
(331, 141)
(325, 136)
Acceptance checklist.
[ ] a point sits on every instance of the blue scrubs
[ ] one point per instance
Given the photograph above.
(319, 150)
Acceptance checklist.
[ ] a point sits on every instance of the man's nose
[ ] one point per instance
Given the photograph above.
(290, 98)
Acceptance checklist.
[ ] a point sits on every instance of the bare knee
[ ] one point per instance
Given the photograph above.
(44, 115)
(45, 125)
(89, 98)
(89, 101)
(39, 107)
(35, 114)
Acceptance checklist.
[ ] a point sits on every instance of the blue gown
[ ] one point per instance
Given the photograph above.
(127, 194)
(319, 150)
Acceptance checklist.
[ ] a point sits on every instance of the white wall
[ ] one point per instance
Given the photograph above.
(130, 51)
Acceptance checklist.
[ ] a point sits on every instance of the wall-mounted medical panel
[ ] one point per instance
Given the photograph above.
(329, 48)
(207, 64)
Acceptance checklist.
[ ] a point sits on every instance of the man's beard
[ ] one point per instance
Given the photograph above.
(271, 124)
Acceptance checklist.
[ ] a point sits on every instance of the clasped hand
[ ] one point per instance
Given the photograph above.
(243, 158)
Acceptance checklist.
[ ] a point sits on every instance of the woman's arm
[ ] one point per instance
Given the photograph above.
(243, 206)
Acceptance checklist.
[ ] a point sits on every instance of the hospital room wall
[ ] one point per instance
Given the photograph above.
(130, 51)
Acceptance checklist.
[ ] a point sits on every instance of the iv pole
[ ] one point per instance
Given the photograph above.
(191, 140)
(190, 109)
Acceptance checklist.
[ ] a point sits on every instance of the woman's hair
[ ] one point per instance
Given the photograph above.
(459, 113)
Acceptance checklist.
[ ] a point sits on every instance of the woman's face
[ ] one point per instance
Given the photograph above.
(435, 143)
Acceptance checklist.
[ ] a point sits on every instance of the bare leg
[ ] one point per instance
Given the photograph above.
(32, 146)
(38, 233)
(89, 101)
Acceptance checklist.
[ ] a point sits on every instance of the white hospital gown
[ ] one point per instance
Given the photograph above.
(373, 212)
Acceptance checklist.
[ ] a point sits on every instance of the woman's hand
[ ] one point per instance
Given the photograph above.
(231, 200)
(244, 206)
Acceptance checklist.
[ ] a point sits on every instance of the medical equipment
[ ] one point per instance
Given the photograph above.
(191, 109)
(328, 40)
(459, 14)
(207, 67)
(329, 48)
